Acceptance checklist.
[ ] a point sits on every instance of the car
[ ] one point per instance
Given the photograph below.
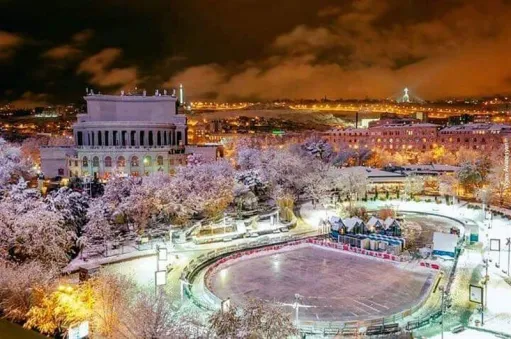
(457, 329)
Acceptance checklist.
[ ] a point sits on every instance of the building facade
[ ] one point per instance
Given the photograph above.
(131, 135)
(421, 137)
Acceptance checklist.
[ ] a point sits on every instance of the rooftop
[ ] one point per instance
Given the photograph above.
(477, 127)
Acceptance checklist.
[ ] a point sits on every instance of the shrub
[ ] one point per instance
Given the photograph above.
(18, 283)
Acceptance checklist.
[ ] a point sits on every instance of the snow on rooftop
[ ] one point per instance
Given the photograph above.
(371, 172)
(431, 167)
(477, 127)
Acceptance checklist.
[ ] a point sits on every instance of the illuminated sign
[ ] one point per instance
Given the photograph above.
(161, 278)
(80, 331)
(476, 294)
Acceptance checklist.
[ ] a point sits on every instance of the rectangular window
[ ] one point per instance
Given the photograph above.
(79, 137)
(107, 135)
(116, 142)
(151, 142)
(142, 136)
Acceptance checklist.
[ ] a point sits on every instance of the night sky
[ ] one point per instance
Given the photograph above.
(254, 49)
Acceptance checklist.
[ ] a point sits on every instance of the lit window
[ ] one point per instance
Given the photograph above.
(147, 160)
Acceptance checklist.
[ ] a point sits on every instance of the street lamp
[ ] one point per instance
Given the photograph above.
(296, 306)
(445, 302)
(508, 243)
(160, 276)
(485, 283)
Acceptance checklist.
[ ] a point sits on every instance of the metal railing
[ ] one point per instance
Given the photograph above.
(220, 256)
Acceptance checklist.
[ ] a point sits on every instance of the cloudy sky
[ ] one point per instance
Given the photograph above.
(254, 49)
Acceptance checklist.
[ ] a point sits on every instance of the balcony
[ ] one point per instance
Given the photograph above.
(113, 148)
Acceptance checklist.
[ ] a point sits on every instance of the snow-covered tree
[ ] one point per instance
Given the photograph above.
(466, 155)
(317, 182)
(206, 189)
(72, 205)
(112, 295)
(12, 164)
(256, 319)
(249, 158)
(99, 228)
(469, 177)
(252, 179)
(18, 286)
(317, 147)
(353, 184)
(152, 316)
(53, 313)
(30, 230)
(284, 170)
(414, 184)
(497, 183)
(195, 159)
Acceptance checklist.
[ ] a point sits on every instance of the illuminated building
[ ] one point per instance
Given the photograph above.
(129, 134)
(421, 137)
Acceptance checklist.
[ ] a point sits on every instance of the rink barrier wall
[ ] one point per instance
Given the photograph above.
(214, 261)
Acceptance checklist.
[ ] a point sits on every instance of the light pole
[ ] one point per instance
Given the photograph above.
(508, 243)
(446, 300)
(297, 307)
(485, 282)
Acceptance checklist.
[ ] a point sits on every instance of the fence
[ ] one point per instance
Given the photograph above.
(113, 249)
(219, 257)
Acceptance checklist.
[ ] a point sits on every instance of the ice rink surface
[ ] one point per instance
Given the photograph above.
(337, 285)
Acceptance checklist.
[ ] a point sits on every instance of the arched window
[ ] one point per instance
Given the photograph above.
(121, 162)
(147, 160)
(159, 160)
(85, 162)
(95, 162)
(108, 162)
(134, 161)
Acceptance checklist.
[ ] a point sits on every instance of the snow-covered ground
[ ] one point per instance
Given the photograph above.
(466, 334)
(497, 317)
(498, 312)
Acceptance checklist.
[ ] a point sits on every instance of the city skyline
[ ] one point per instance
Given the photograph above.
(254, 50)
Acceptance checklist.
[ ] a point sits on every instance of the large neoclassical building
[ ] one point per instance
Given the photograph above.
(129, 134)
